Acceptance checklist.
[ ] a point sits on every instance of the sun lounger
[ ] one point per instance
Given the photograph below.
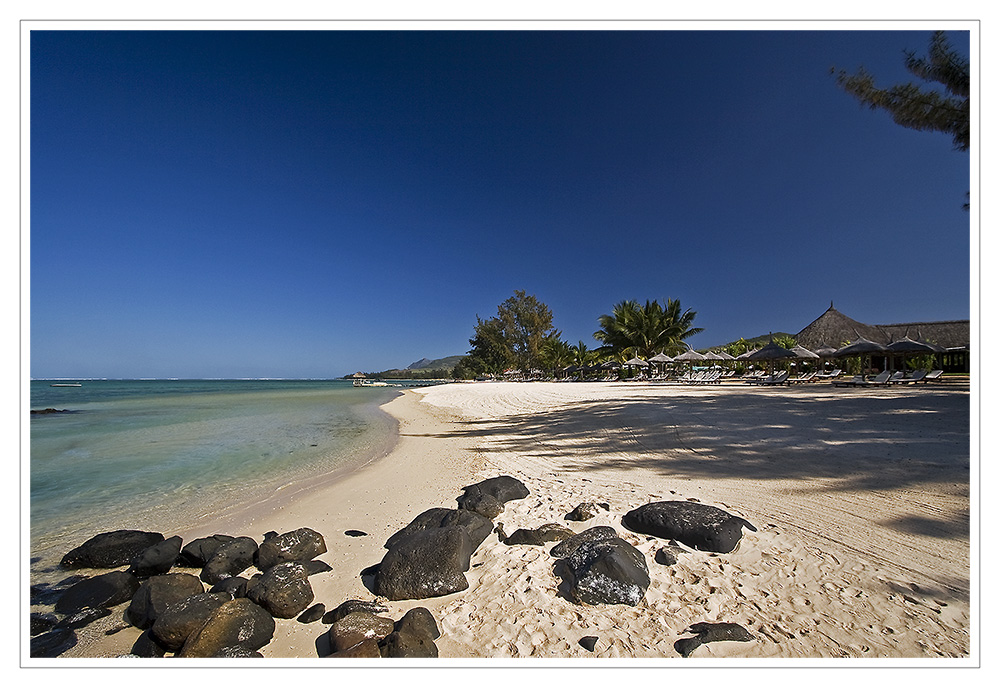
(778, 379)
(808, 377)
(917, 376)
(933, 375)
(829, 376)
(880, 380)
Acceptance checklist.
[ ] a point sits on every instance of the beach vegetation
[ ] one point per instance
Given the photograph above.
(916, 106)
(514, 338)
(633, 329)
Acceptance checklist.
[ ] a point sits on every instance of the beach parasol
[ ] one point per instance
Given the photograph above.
(660, 358)
(908, 347)
(771, 352)
(860, 347)
(689, 355)
(637, 362)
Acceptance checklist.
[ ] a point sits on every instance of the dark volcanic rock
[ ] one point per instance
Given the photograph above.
(231, 559)
(489, 496)
(588, 642)
(110, 550)
(236, 624)
(235, 586)
(283, 590)
(105, 590)
(540, 535)
(315, 566)
(700, 526)
(146, 646)
(478, 526)
(400, 644)
(159, 592)
(429, 563)
(717, 632)
(314, 613)
(351, 606)
(180, 619)
(608, 572)
(347, 632)
(355, 533)
(570, 545)
(366, 649)
(666, 556)
(419, 621)
(685, 646)
(82, 618)
(156, 559)
(53, 643)
(583, 512)
(197, 552)
(40, 623)
(302, 544)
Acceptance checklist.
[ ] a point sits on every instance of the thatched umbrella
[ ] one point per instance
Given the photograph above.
(860, 347)
(908, 347)
(690, 356)
(636, 361)
(771, 352)
(660, 359)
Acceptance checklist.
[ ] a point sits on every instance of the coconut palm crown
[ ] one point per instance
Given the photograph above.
(645, 330)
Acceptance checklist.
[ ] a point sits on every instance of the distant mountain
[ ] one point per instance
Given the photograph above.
(428, 364)
(759, 340)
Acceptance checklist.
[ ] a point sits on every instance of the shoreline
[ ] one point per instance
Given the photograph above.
(860, 550)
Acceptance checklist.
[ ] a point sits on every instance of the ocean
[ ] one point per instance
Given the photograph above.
(145, 454)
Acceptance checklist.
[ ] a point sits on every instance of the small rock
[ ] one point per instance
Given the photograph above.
(82, 618)
(583, 512)
(540, 535)
(302, 544)
(665, 556)
(237, 623)
(105, 590)
(685, 646)
(53, 643)
(40, 623)
(419, 621)
(353, 628)
(156, 559)
(351, 606)
(283, 590)
(570, 545)
(355, 533)
(314, 613)
(588, 642)
(110, 550)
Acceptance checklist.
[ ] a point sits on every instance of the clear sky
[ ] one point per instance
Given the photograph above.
(308, 204)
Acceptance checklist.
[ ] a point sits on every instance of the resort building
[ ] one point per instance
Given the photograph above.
(835, 329)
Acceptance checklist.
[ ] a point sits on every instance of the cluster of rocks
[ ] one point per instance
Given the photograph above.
(429, 556)
(220, 612)
(358, 631)
(215, 613)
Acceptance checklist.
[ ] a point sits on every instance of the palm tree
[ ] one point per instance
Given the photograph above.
(634, 330)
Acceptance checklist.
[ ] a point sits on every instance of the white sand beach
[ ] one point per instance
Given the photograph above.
(861, 500)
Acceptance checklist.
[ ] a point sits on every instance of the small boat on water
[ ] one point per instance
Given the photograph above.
(66, 384)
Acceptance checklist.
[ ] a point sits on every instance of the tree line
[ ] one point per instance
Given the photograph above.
(521, 336)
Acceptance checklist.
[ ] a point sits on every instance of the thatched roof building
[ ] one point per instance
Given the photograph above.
(833, 328)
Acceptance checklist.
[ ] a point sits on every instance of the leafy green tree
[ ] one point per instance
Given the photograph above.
(526, 322)
(582, 356)
(645, 330)
(917, 107)
(514, 338)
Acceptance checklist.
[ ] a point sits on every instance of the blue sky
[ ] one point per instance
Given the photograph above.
(308, 204)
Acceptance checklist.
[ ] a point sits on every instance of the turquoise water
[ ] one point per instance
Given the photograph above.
(142, 453)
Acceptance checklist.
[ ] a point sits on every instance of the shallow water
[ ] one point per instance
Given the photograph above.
(152, 454)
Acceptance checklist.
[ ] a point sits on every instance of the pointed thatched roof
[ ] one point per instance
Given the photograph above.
(835, 328)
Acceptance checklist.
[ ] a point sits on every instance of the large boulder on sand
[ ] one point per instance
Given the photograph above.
(182, 618)
(607, 572)
(699, 526)
(429, 563)
(197, 552)
(156, 559)
(106, 590)
(571, 544)
(231, 559)
(110, 550)
(489, 496)
(302, 544)
(283, 590)
(478, 526)
(159, 592)
(237, 627)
